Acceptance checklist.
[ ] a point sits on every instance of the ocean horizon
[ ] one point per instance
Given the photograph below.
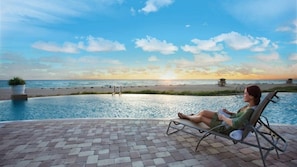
(121, 82)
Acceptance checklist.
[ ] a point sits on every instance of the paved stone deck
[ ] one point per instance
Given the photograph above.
(125, 142)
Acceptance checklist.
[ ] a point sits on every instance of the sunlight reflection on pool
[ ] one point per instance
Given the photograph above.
(137, 106)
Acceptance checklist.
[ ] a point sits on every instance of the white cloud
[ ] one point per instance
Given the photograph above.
(272, 69)
(294, 42)
(100, 44)
(151, 44)
(270, 57)
(261, 12)
(19, 14)
(293, 57)
(93, 45)
(291, 28)
(237, 41)
(50, 11)
(155, 5)
(207, 59)
(132, 11)
(67, 47)
(203, 45)
(233, 40)
(263, 44)
(93, 61)
(203, 60)
(58, 67)
(153, 58)
(284, 28)
(45, 11)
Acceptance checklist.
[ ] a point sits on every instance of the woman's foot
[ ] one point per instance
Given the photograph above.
(182, 116)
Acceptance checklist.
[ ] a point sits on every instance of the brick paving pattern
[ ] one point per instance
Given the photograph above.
(125, 142)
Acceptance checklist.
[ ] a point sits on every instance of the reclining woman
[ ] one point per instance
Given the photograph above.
(233, 121)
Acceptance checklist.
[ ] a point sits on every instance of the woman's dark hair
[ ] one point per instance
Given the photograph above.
(254, 91)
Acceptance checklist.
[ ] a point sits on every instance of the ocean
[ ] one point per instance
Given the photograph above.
(104, 83)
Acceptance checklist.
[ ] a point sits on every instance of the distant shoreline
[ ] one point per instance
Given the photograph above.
(127, 83)
(5, 93)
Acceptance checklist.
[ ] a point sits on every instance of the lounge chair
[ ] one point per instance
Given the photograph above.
(266, 138)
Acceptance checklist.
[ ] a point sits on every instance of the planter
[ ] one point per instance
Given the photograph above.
(18, 89)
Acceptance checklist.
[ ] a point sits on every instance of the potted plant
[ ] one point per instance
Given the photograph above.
(17, 85)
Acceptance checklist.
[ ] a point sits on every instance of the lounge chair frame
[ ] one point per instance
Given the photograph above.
(258, 125)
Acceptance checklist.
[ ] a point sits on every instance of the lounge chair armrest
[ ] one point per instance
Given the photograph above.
(275, 99)
(265, 121)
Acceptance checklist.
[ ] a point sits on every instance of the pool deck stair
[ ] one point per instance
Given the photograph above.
(125, 142)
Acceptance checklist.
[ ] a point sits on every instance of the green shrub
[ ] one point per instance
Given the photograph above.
(16, 81)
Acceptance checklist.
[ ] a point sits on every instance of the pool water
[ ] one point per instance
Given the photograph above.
(137, 106)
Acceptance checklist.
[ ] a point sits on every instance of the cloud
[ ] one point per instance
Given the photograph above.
(293, 57)
(56, 67)
(30, 68)
(155, 5)
(291, 28)
(100, 45)
(153, 58)
(132, 11)
(270, 57)
(263, 44)
(202, 45)
(284, 29)
(93, 45)
(237, 41)
(203, 60)
(33, 11)
(18, 14)
(151, 44)
(272, 70)
(260, 12)
(50, 11)
(294, 42)
(233, 40)
(67, 47)
(208, 60)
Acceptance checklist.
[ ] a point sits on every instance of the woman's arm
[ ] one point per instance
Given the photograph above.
(226, 111)
(225, 119)
(242, 118)
(237, 122)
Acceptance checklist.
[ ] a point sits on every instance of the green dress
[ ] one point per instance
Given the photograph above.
(239, 120)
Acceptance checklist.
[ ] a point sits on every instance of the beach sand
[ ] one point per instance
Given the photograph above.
(5, 93)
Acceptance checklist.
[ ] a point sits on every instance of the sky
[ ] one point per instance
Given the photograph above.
(148, 39)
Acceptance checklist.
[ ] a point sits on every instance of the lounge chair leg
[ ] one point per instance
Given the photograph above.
(204, 136)
(260, 150)
(174, 131)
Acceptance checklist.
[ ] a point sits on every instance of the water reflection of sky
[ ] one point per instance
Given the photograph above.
(137, 106)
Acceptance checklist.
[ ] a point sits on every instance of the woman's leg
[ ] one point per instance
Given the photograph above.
(204, 116)
(206, 113)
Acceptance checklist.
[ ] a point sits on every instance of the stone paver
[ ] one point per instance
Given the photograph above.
(125, 142)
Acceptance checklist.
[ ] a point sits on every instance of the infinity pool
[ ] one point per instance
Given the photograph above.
(137, 106)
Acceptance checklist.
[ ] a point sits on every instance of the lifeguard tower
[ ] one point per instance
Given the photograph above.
(222, 82)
